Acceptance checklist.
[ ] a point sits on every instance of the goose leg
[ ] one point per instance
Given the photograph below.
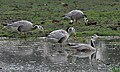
(20, 34)
(24, 34)
(90, 60)
(74, 59)
(76, 21)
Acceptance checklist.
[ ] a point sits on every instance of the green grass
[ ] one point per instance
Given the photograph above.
(105, 12)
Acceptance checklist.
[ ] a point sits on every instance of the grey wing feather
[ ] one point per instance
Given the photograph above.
(81, 46)
(56, 34)
(19, 23)
(62, 39)
(76, 14)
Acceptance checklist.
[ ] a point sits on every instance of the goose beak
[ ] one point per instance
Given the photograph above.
(43, 32)
(64, 18)
(41, 28)
(74, 33)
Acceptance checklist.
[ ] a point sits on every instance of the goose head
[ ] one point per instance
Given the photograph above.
(85, 19)
(39, 27)
(71, 30)
(95, 36)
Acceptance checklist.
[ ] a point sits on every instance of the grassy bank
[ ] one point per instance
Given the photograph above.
(42, 12)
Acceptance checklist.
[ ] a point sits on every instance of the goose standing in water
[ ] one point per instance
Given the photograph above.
(84, 50)
(61, 35)
(76, 15)
(24, 26)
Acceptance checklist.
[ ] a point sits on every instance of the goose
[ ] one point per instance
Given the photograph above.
(24, 26)
(84, 50)
(84, 47)
(60, 36)
(76, 15)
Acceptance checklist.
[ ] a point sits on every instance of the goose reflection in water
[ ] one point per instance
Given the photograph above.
(23, 50)
(84, 50)
(18, 47)
(54, 53)
(58, 57)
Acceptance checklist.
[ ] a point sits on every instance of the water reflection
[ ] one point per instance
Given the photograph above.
(38, 55)
(109, 51)
(54, 53)
(19, 52)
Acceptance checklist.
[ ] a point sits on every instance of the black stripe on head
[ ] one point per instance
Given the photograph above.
(34, 27)
(70, 30)
(67, 29)
(85, 16)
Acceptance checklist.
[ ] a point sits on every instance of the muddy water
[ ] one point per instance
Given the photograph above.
(37, 55)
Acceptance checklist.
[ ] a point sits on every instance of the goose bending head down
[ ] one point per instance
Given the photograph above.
(84, 50)
(84, 47)
(76, 15)
(24, 26)
(61, 35)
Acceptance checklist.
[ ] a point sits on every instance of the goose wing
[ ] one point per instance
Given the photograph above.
(82, 47)
(58, 34)
(19, 23)
(75, 13)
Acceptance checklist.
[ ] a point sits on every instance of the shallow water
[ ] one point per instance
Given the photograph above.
(37, 55)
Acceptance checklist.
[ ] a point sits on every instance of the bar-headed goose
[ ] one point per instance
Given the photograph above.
(24, 26)
(61, 35)
(76, 15)
(84, 50)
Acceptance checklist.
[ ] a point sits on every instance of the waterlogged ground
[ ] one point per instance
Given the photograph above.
(37, 55)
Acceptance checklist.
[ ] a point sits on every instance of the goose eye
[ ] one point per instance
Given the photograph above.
(70, 29)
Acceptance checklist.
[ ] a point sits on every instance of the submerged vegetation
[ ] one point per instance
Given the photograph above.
(42, 12)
